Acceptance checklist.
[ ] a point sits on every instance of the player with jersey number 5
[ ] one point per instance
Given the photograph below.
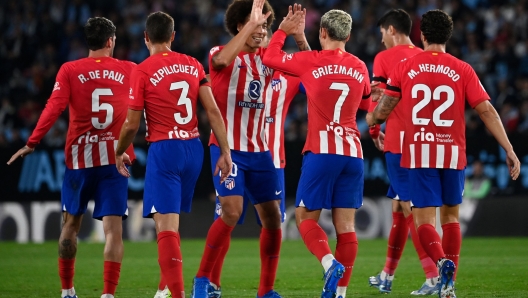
(434, 87)
(337, 84)
(96, 89)
(167, 86)
(238, 79)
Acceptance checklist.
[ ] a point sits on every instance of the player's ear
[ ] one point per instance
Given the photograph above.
(172, 36)
(146, 36)
(391, 30)
(422, 38)
(348, 37)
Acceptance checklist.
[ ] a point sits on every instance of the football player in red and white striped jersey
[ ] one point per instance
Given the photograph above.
(238, 79)
(337, 84)
(96, 89)
(434, 87)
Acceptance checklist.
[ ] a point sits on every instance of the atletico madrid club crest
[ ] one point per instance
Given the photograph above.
(276, 84)
(230, 183)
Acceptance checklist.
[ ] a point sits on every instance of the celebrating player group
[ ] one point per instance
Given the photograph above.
(421, 94)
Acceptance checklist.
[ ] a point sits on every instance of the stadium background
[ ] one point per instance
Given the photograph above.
(37, 36)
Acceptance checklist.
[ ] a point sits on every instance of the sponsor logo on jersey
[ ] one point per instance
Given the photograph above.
(218, 209)
(254, 89)
(56, 86)
(270, 119)
(230, 183)
(276, 84)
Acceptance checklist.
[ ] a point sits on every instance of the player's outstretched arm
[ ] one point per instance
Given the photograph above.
(383, 109)
(224, 162)
(492, 120)
(128, 132)
(231, 50)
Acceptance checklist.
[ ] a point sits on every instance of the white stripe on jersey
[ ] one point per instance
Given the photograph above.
(339, 144)
(88, 161)
(353, 147)
(269, 96)
(75, 156)
(103, 153)
(231, 102)
(454, 157)
(115, 144)
(440, 151)
(244, 121)
(411, 151)
(277, 118)
(260, 123)
(323, 139)
(425, 156)
(402, 134)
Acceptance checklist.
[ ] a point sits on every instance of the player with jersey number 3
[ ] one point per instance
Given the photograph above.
(337, 84)
(167, 85)
(96, 89)
(434, 87)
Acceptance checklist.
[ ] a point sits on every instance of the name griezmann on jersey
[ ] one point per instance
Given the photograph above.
(96, 74)
(433, 68)
(171, 69)
(337, 69)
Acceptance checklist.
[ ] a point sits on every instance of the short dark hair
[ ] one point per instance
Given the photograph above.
(97, 31)
(238, 12)
(436, 26)
(159, 27)
(399, 19)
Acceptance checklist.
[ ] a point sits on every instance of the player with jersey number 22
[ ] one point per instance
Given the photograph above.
(434, 87)
(337, 84)
(168, 85)
(96, 89)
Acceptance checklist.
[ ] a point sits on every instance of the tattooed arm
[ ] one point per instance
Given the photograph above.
(385, 106)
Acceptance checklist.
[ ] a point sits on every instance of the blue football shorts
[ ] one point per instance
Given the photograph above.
(398, 177)
(173, 167)
(247, 199)
(253, 173)
(436, 187)
(103, 184)
(330, 181)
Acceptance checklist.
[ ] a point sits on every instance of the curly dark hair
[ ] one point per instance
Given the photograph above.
(159, 27)
(97, 31)
(436, 26)
(399, 19)
(238, 12)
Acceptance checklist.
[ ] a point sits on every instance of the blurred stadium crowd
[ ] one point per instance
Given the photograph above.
(37, 36)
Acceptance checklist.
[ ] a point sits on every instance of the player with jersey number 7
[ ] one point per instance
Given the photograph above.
(434, 87)
(167, 86)
(337, 84)
(96, 89)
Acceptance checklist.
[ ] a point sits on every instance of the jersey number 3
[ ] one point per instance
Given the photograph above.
(427, 99)
(184, 100)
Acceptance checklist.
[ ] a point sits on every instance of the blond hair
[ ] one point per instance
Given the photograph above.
(337, 23)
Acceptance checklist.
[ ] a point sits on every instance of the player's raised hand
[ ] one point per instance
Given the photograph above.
(224, 166)
(379, 142)
(121, 161)
(376, 92)
(302, 21)
(513, 164)
(256, 15)
(20, 153)
(291, 22)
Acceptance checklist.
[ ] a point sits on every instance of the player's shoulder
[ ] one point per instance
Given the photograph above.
(355, 60)
(124, 64)
(215, 50)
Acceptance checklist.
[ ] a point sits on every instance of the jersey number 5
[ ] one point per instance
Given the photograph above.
(184, 100)
(97, 107)
(427, 99)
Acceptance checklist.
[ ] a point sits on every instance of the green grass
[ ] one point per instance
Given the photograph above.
(488, 268)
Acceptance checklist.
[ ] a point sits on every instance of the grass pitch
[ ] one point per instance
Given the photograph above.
(488, 268)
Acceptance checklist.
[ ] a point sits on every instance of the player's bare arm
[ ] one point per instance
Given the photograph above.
(492, 120)
(224, 163)
(299, 36)
(128, 132)
(376, 91)
(231, 50)
(21, 153)
(383, 109)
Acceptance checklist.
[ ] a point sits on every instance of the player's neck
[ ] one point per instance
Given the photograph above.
(402, 40)
(333, 45)
(247, 49)
(99, 53)
(159, 48)
(435, 47)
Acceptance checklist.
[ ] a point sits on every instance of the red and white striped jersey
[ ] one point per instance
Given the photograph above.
(434, 87)
(167, 86)
(97, 91)
(279, 95)
(384, 62)
(238, 90)
(337, 84)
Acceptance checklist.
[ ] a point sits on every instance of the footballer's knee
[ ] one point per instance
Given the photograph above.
(231, 215)
(71, 224)
(270, 214)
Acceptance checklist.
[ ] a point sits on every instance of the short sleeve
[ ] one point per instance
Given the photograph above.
(138, 81)
(474, 91)
(394, 81)
(367, 92)
(201, 75)
(378, 71)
